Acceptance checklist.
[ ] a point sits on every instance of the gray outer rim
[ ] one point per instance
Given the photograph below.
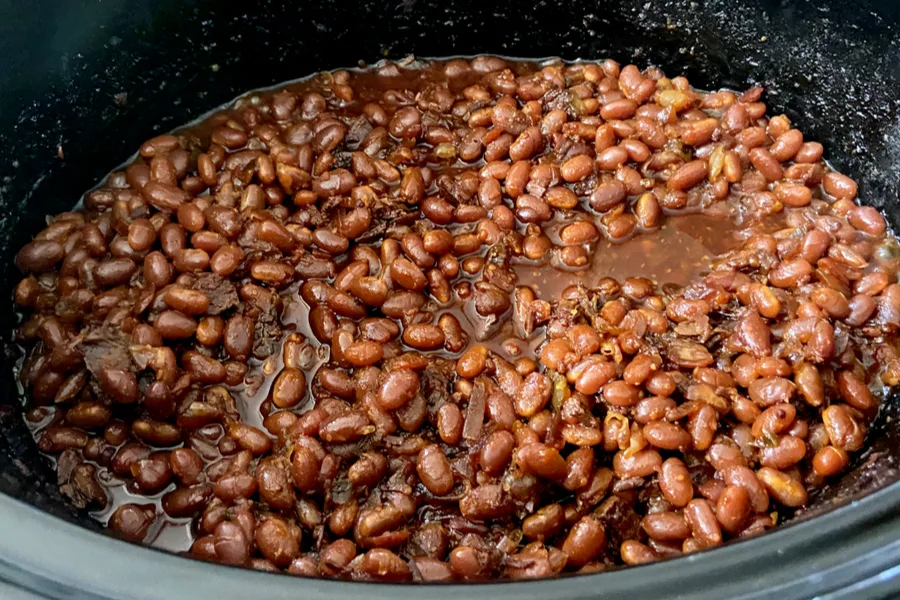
(850, 552)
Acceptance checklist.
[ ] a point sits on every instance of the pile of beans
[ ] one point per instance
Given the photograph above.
(295, 336)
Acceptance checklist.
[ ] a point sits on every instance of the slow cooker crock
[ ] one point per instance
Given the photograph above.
(83, 82)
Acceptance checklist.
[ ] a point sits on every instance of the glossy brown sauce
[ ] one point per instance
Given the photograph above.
(676, 253)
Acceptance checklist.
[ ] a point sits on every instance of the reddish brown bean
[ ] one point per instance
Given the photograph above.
(830, 461)
(702, 520)
(782, 487)
(675, 482)
(666, 526)
(839, 186)
(542, 461)
(434, 470)
(733, 508)
(132, 521)
(585, 541)
(687, 176)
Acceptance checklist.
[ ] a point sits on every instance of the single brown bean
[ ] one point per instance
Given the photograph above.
(184, 502)
(703, 523)
(666, 526)
(839, 186)
(774, 420)
(733, 508)
(450, 424)
(585, 541)
(675, 482)
(619, 393)
(186, 465)
(114, 271)
(667, 436)
(843, 430)
(742, 476)
(276, 541)
(422, 336)
(830, 461)
(782, 487)
(792, 194)
(688, 175)
(141, 235)
(576, 168)
(542, 461)
(289, 388)
(855, 392)
(634, 552)
(132, 521)
(231, 544)
(188, 301)
(434, 470)
(639, 464)
(788, 452)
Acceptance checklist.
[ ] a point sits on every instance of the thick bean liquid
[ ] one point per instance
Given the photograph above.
(460, 320)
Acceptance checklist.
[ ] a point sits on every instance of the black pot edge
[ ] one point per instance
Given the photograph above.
(855, 547)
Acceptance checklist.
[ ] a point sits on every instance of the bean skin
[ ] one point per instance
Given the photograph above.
(641, 464)
(702, 520)
(497, 452)
(667, 436)
(782, 487)
(542, 461)
(634, 552)
(829, 461)
(585, 541)
(434, 470)
(545, 523)
(231, 544)
(744, 477)
(733, 508)
(132, 521)
(289, 388)
(675, 482)
(666, 526)
(688, 175)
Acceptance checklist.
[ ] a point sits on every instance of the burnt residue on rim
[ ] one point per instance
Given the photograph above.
(835, 85)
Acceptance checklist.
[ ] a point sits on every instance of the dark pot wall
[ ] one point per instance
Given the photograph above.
(83, 82)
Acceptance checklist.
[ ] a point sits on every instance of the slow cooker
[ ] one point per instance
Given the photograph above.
(83, 82)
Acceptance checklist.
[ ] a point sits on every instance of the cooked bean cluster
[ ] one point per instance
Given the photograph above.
(294, 334)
